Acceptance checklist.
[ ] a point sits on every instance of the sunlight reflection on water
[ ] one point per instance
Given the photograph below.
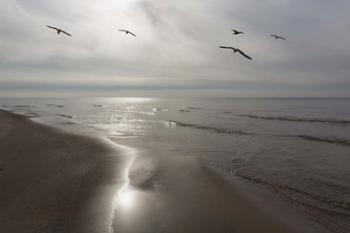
(130, 100)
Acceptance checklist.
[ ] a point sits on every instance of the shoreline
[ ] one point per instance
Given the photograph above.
(62, 182)
(54, 181)
(178, 194)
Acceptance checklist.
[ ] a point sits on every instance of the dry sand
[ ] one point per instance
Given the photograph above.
(56, 182)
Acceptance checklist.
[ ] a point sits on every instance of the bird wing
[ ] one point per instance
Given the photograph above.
(52, 27)
(225, 47)
(244, 55)
(66, 33)
(278, 37)
(132, 33)
(122, 30)
(237, 32)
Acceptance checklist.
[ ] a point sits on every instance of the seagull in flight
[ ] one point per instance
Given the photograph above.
(277, 37)
(127, 32)
(58, 30)
(235, 32)
(235, 50)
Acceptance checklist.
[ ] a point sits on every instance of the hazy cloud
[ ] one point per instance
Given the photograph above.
(176, 48)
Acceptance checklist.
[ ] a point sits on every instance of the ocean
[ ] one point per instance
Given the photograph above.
(295, 148)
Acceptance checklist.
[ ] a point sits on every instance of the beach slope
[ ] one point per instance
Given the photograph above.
(54, 182)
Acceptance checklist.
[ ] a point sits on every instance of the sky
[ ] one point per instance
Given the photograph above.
(176, 51)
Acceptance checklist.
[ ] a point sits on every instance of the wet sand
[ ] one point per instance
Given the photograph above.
(55, 182)
(170, 193)
(52, 181)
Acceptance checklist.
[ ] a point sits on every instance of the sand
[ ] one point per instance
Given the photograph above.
(177, 194)
(52, 182)
(55, 182)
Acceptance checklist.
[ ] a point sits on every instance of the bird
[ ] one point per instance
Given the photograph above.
(127, 32)
(59, 30)
(235, 50)
(235, 32)
(278, 37)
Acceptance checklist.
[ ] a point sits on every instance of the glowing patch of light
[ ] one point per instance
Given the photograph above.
(123, 3)
(170, 124)
(126, 195)
(126, 198)
(131, 100)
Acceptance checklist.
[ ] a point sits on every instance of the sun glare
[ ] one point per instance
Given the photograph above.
(122, 4)
(126, 198)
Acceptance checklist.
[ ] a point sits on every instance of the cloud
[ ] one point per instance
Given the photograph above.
(177, 45)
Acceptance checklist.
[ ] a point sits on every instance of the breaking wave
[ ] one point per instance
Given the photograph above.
(338, 141)
(212, 129)
(297, 119)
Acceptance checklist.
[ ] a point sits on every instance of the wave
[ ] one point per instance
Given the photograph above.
(338, 141)
(21, 109)
(65, 116)
(17, 106)
(184, 110)
(98, 105)
(237, 167)
(336, 203)
(210, 128)
(159, 109)
(30, 114)
(297, 119)
(55, 105)
(331, 213)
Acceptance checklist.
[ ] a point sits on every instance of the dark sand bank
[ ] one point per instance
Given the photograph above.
(51, 181)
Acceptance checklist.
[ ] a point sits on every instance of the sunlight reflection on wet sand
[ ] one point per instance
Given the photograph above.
(133, 208)
(126, 198)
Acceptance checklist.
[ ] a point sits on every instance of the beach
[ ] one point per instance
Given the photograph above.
(145, 116)
(145, 165)
(181, 195)
(57, 182)
(54, 182)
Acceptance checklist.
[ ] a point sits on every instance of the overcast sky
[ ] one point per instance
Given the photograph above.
(176, 49)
